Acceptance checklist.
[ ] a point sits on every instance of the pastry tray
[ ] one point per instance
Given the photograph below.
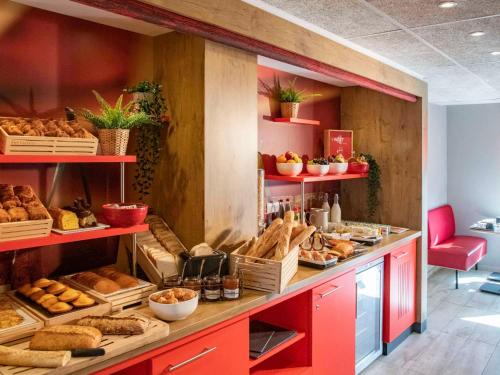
(318, 263)
(29, 325)
(370, 241)
(99, 226)
(101, 307)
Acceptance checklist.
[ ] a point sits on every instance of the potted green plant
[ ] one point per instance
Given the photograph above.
(114, 123)
(148, 97)
(290, 99)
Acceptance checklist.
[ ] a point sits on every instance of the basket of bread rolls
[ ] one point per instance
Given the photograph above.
(270, 261)
(22, 214)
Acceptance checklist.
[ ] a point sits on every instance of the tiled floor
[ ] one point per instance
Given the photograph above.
(463, 335)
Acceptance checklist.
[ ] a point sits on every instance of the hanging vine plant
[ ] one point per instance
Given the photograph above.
(148, 98)
(374, 185)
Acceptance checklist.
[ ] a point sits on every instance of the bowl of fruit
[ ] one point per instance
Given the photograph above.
(338, 164)
(358, 165)
(289, 164)
(318, 167)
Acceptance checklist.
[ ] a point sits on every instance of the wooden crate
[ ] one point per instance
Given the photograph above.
(25, 229)
(265, 274)
(101, 307)
(122, 299)
(33, 145)
(26, 328)
(114, 345)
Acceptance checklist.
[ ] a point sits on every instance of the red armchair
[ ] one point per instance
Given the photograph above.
(448, 250)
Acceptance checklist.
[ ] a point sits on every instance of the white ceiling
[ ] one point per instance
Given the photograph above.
(416, 36)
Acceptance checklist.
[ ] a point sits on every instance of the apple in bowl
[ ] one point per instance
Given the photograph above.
(289, 164)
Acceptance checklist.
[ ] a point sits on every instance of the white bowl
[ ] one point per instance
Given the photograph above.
(289, 169)
(338, 168)
(318, 169)
(173, 311)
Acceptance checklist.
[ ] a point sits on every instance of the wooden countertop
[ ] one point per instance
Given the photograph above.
(210, 313)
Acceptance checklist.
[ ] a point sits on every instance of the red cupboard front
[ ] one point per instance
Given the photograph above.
(325, 315)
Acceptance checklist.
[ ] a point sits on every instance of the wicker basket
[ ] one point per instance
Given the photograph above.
(290, 110)
(113, 141)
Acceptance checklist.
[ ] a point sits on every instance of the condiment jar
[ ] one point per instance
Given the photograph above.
(193, 283)
(231, 285)
(212, 286)
(172, 282)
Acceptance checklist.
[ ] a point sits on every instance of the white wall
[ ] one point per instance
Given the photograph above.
(437, 157)
(474, 170)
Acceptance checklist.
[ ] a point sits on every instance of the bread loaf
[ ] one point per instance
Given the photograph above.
(66, 337)
(267, 240)
(122, 279)
(289, 217)
(109, 325)
(297, 229)
(33, 358)
(302, 236)
(98, 283)
(283, 241)
(63, 219)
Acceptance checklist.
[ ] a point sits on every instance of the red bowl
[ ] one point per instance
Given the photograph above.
(355, 167)
(124, 217)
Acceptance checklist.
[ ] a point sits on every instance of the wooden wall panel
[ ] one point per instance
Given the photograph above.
(178, 189)
(391, 130)
(395, 133)
(230, 145)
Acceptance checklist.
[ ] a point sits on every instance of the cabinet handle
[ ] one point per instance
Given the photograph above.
(326, 294)
(172, 368)
(403, 254)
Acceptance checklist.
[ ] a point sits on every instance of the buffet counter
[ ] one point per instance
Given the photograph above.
(209, 316)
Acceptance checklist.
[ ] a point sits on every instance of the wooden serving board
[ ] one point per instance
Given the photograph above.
(101, 307)
(114, 345)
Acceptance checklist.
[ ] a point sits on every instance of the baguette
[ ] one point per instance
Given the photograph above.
(109, 325)
(297, 229)
(122, 279)
(96, 282)
(289, 217)
(267, 240)
(250, 247)
(33, 358)
(66, 337)
(283, 241)
(302, 236)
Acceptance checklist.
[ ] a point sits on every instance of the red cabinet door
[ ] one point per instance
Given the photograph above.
(221, 352)
(334, 326)
(399, 291)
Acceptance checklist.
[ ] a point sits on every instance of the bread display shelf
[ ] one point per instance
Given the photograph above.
(305, 177)
(27, 327)
(121, 299)
(36, 145)
(267, 275)
(101, 307)
(55, 239)
(22, 230)
(114, 345)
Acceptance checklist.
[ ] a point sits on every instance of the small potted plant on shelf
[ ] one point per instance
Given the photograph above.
(290, 99)
(114, 123)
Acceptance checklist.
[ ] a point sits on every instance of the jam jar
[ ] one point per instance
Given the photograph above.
(231, 287)
(193, 283)
(212, 288)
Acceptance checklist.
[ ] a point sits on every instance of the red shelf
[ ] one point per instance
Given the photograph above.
(310, 178)
(279, 348)
(56, 239)
(39, 159)
(294, 120)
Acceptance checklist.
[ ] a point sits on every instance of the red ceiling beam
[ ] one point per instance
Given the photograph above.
(162, 17)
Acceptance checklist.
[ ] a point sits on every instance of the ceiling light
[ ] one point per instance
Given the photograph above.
(477, 33)
(495, 53)
(447, 4)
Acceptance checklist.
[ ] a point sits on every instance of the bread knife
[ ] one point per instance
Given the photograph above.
(92, 352)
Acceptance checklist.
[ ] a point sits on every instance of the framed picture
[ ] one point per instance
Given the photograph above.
(338, 142)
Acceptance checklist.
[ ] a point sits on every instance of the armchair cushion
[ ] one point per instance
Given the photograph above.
(441, 224)
(458, 252)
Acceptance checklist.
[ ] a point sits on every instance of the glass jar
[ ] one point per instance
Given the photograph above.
(231, 287)
(193, 283)
(172, 282)
(212, 287)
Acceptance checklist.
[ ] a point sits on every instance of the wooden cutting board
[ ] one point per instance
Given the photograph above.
(113, 344)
